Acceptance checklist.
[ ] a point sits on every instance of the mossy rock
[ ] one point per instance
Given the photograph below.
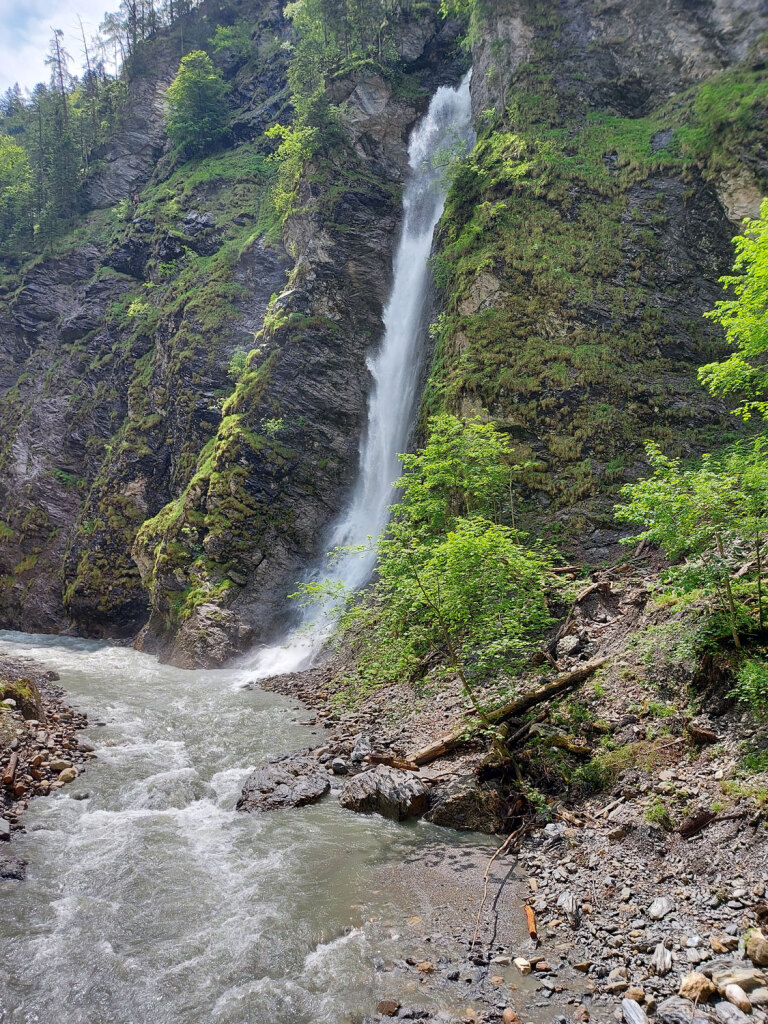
(27, 697)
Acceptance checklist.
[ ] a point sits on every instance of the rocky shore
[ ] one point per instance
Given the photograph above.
(643, 879)
(39, 747)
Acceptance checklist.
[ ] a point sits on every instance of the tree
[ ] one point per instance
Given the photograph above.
(16, 195)
(711, 520)
(197, 109)
(458, 591)
(745, 319)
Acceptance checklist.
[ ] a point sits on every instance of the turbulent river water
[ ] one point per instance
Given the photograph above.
(148, 898)
(152, 901)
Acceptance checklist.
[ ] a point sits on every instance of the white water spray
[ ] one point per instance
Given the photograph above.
(395, 368)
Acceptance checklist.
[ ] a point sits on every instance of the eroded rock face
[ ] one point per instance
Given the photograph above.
(386, 791)
(290, 781)
(465, 803)
(602, 49)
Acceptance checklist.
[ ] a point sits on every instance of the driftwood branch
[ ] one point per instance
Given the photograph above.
(444, 744)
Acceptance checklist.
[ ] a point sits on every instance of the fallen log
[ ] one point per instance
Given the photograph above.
(392, 762)
(10, 771)
(530, 918)
(449, 741)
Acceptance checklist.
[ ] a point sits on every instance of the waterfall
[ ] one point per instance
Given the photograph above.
(395, 368)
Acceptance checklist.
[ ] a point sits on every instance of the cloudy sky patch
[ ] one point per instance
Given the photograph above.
(26, 30)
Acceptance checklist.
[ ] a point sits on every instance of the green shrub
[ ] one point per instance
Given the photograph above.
(751, 686)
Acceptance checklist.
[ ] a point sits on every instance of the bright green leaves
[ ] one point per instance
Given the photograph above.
(16, 193)
(711, 519)
(745, 320)
(463, 469)
(197, 108)
(459, 590)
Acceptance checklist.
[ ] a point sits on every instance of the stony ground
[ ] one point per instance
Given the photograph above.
(647, 877)
(39, 748)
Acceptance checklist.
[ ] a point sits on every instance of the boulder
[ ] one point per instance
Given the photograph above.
(292, 780)
(464, 803)
(735, 994)
(697, 987)
(662, 960)
(660, 907)
(25, 695)
(386, 791)
(362, 748)
(757, 949)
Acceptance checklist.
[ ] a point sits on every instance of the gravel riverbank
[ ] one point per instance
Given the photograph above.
(39, 747)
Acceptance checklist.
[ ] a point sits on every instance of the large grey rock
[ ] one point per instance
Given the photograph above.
(681, 1011)
(465, 803)
(290, 781)
(632, 1012)
(5, 830)
(727, 1013)
(386, 791)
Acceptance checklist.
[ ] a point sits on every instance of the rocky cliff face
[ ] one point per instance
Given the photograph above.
(120, 413)
(143, 489)
(586, 236)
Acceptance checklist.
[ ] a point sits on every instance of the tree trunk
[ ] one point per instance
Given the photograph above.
(444, 744)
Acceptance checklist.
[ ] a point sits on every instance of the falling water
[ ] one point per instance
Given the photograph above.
(395, 368)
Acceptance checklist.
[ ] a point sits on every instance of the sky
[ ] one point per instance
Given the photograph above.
(25, 31)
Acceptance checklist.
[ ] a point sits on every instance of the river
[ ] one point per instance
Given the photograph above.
(152, 901)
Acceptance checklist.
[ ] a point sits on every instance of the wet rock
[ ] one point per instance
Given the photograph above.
(12, 869)
(339, 766)
(293, 780)
(465, 803)
(697, 988)
(757, 949)
(680, 1011)
(68, 775)
(5, 830)
(386, 791)
(388, 1008)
